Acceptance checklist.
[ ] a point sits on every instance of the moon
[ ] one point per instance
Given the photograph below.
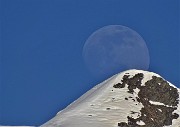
(115, 48)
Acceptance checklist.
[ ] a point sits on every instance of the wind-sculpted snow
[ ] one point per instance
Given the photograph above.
(133, 98)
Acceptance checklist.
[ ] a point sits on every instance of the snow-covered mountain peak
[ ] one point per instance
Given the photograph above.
(133, 98)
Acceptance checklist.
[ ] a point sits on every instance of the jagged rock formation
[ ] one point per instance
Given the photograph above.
(154, 90)
(133, 98)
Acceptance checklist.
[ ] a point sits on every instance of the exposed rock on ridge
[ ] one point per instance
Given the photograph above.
(156, 90)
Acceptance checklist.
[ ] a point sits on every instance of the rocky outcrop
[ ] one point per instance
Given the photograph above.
(158, 97)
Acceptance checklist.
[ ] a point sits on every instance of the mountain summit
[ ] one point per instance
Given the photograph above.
(133, 98)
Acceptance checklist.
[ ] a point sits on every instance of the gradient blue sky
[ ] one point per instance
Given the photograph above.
(41, 41)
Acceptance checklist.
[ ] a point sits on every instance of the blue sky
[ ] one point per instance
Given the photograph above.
(41, 41)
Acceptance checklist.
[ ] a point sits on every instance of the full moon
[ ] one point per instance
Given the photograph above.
(113, 49)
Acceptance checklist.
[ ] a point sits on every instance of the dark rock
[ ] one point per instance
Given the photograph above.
(107, 108)
(122, 124)
(157, 90)
(119, 85)
(175, 116)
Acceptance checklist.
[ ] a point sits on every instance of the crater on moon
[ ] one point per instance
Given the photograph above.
(113, 49)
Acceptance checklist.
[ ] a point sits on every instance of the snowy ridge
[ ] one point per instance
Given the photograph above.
(120, 101)
(133, 98)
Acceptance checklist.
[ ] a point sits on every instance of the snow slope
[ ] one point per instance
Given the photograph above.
(107, 106)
